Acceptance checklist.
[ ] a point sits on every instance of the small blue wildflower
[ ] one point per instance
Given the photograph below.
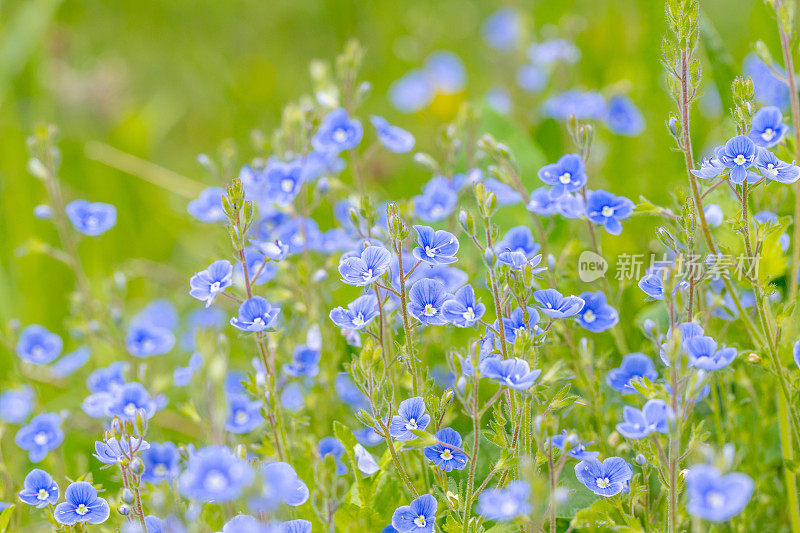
(606, 209)
(531, 78)
(437, 201)
(410, 416)
(392, 138)
(145, 340)
(566, 175)
(505, 504)
(283, 181)
(554, 51)
(183, 374)
(16, 405)
(161, 462)
(768, 128)
(39, 489)
(435, 246)
(208, 207)
(113, 451)
(243, 414)
(91, 218)
(426, 298)
(687, 330)
(305, 362)
(43, 212)
(519, 239)
(716, 497)
(542, 203)
(652, 283)
(505, 194)
(365, 462)
(634, 367)
(604, 479)
(623, 117)
(348, 392)
(279, 484)
(42, 434)
(709, 168)
(276, 250)
(796, 353)
(514, 372)
(39, 346)
(516, 260)
(368, 436)
(499, 100)
(82, 505)
(128, 399)
(366, 268)
(206, 284)
(292, 398)
(656, 415)
(774, 169)
(501, 29)
(575, 449)
(337, 132)
(596, 315)
(417, 517)
(259, 270)
(703, 353)
(443, 454)
(584, 105)
(245, 523)
(297, 525)
(738, 155)
(451, 277)
(332, 446)
(515, 324)
(215, 474)
(412, 92)
(71, 362)
(571, 206)
(463, 309)
(445, 71)
(554, 305)
(256, 314)
(714, 215)
(770, 90)
(358, 314)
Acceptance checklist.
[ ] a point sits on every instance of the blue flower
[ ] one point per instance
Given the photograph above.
(71, 362)
(687, 330)
(348, 392)
(596, 315)
(588, 104)
(768, 128)
(16, 405)
(505, 504)
(366, 268)
(652, 283)
(183, 374)
(426, 298)
(438, 199)
(259, 270)
(554, 305)
(392, 138)
(554, 51)
(715, 497)
(443, 454)
(519, 239)
(39, 346)
(417, 517)
(703, 353)
(42, 434)
(795, 352)
(574, 448)
(410, 416)
(358, 314)
(608, 478)
(709, 168)
(531, 78)
(82, 505)
(243, 414)
(412, 92)
(445, 71)
(39, 489)
(738, 155)
(656, 415)
(276, 250)
(514, 372)
(108, 378)
(128, 399)
(515, 324)
(256, 314)
(542, 203)
(435, 247)
(161, 462)
(770, 90)
(337, 132)
(332, 446)
(215, 474)
(714, 215)
(305, 362)
(292, 397)
(245, 523)
(206, 284)
(774, 169)
(91, 218)
(623, 117)
(498, 99)
(145, 340)
(208, 207)
(607, 210)
(295, 526)
(113, 451)
(283, 181)
(279, 484)
(463, 309)
(634, 367)
(505, 195)
(501, 29)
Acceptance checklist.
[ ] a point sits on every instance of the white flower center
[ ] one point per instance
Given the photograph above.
(739, 160)
(214, 286)
(469, 314)
(429, 310)
(603, 482)
(42, 494)
(367, 275)
(772, 170)
(259, 321)
(430, 252)
(287, 185)
(160, 470)
(240, 417)
(768, 134)
(608, 211)
(40, 438)
(412, 424)
(37, 352)
(82, 509)
(129, 409)
(420, 521)
(565, 178)
(715, 499)
(358, 320)
(588, 316)
(340, 135)
(215, 481)
(446, 455)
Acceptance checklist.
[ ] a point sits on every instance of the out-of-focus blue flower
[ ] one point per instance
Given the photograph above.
(183, 374)
(332, 446)
(769, 89)
(501, 29)
(542, 203)
(573, 446)
(505, 195)
(519, 239)
(295, 526)
(91, 218)
(82, 505)
(42, 434)
(426, 298)
(410, 416)
(687, 330)
(43, 212)
(513, 372)
(161, 462)
(305, 362)
(283, 181)
(768, 128)
(244, 523)
(583, 105)
(656, 415)
(451, 277)
(348, 392)
(337, 132)
(714, 215)
(437, 201)
(553, 304)
(463, 309)
(358, 314)
(554, 51)
(566, 175)
(412, 92)
(259, 270)
(703, 353)
(531, 78)
(515, 323)
(608, 210)
(365, 462)
(796, 353)
(243, 414)
(604, 479)
(256, 314)
(596, 315)
(113, 451)
(738, 154)
(279, 484)
(127, 399)
(39, 489)
(499, 100)
(208, 207)
(70, 362)
(366, 268)
(417, 517)
(276, 250)
(505, 504)
(292, 398)
(446, 72)
(206, 284)
(392, 138)
(145, 340)
(716, 497)
(623, 117)
(39, 346)
(774, 169)
(634, 367)
(435, 246)
(368, 436)
(16, 405)
(443, 454)
(215, 474)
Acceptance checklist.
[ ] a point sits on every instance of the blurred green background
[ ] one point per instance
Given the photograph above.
(166, 80)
